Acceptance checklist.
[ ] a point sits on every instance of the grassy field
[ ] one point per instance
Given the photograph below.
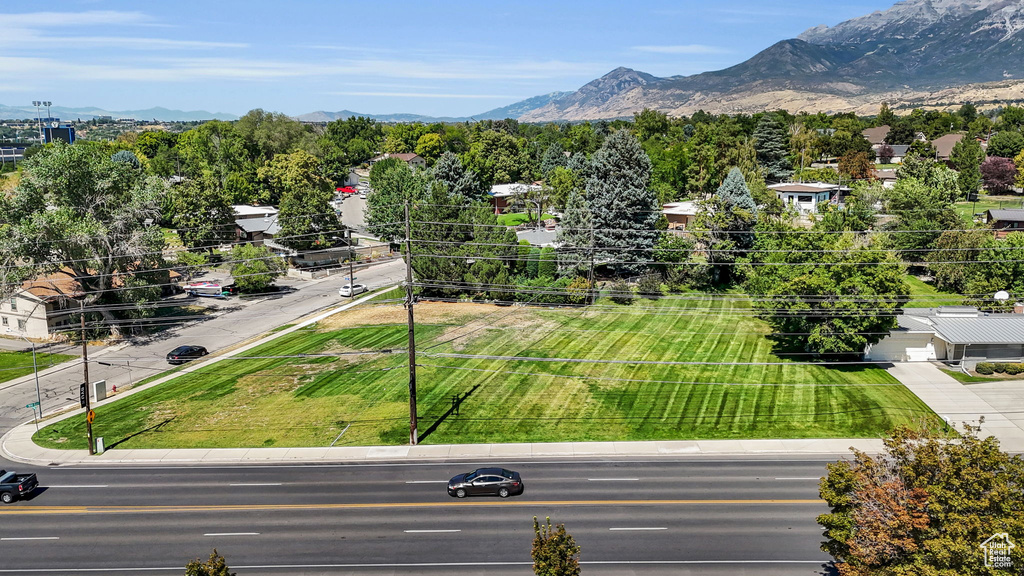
(985, 203)
(515, 218)
(924, 295)
(352, 385)
(17, 364)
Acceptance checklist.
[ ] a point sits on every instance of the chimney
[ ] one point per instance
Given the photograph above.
(1018, 307)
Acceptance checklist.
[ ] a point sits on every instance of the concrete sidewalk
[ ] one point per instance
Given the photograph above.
(17, 446)
(958, 402)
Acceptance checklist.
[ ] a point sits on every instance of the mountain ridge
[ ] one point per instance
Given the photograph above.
(90, 112)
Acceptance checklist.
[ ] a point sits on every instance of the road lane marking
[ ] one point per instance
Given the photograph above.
(426, 481)
(412, 565)
(79, 486)
(232, 534)
(613, 479)
(636, 528)
(44, 510)
(808, 478)
(258, 484)
(429, 531)
(31, 538)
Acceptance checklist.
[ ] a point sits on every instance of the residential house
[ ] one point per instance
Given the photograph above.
(886, 177)
(944, 146)
(807, 197)
(256, 224)
(41, 306)
(899, 152)
(952, 334)
(502, 194)
(680, 215)
(413, 160)
(1005, 220)
(876, 136)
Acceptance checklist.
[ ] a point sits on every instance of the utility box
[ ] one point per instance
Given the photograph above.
(100, 448)
(99, 390)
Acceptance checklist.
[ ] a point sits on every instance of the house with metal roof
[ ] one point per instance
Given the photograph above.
(256, 224)
(952, 334)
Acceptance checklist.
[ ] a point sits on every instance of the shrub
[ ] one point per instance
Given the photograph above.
(548, 265)
(1015, 368)
(578, 290)
(533, 262)
(649, 286)
(985, 368)
(622, 292)
(999, 367)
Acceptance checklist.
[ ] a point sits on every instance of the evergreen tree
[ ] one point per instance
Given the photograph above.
(574, 234)
(624, 208)
(727, 221)
(772, 143)
(885, 116)
(460, 182)
(553, 157)
(967, 157)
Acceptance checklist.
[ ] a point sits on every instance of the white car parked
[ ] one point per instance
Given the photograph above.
(348, 291)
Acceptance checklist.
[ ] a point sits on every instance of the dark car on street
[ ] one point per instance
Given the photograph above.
(183, 354)
(486, 482)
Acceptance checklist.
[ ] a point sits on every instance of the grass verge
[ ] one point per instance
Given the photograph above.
(349, 371)
(17, 364)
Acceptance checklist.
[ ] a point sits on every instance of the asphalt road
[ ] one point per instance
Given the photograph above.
(234, 320)
(734, 516)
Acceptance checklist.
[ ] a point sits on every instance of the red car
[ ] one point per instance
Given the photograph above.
(346, 190)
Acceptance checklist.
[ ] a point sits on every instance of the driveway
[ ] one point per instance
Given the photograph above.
(1000, 403)
(232, 322)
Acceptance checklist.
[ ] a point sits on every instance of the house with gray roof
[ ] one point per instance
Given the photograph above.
(952, 334)
(1005, 220)
(256, 224)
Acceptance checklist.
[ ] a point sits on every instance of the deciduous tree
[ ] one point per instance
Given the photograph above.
(998, 174)
(555, 552)
(925, 505)
(215, 566)
(254, 268)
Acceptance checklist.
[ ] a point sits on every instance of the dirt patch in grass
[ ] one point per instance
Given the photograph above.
(426, 313)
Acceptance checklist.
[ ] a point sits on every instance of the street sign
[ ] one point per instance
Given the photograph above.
(90, 416)
(347, 278)
(83, 395)
(32, 405)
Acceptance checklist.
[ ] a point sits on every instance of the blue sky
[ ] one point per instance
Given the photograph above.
(373, 56)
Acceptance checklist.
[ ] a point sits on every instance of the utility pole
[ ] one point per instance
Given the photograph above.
(85, 375)
(351, 257)
(413, 432)
(592, 298)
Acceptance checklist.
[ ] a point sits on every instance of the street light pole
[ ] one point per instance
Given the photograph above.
(39, 120)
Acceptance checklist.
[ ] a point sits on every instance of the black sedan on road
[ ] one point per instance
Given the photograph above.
(486, 482)
(183, 354)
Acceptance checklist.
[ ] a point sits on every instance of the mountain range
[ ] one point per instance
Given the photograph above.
(916, 53)
(89, 113)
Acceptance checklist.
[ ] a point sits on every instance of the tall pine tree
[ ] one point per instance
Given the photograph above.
(624, 208)
(575, 235)
(460, 182)
(772, 144)
(727, 221)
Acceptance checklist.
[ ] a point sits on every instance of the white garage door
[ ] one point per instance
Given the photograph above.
(903, 347)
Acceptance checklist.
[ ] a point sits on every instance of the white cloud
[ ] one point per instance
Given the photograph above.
(682, 49)
(77, 19)
(426, 95)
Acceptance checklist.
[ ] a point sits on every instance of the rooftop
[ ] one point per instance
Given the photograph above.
(687, 208)
(965, 325)
(1007, 214)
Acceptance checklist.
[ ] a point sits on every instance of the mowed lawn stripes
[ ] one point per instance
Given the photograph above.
(286, 402)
